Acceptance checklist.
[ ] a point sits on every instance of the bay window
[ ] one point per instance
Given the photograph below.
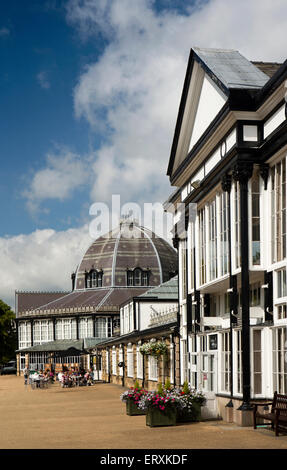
(257, 362)
(255, 216)
(224, 261)
(278, 210)
(202, 246)
(212, 240)
(237, 225)
(225, 362)
(279, 364)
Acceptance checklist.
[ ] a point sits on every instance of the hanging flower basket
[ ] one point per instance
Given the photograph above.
(156, 349)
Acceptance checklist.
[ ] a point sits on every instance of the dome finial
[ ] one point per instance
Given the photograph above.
(129, 219)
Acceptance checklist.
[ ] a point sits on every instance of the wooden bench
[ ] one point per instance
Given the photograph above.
(277, 415)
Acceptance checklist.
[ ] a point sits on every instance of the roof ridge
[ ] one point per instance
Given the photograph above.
(41, 292)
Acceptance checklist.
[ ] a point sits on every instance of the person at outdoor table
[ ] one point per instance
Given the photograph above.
(75, 378)
(60, 375)
(64, 379)
(88, 378)
(36, 378)
(26, 375)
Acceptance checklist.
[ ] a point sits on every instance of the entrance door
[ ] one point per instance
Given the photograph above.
(208, 382)
(97, 360)
(22, 362)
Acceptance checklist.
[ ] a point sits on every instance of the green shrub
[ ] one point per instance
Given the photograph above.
(185, 388)
(160, 389)
(167, 385)
(137, 385)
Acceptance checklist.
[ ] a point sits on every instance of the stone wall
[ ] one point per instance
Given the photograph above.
(164, 366)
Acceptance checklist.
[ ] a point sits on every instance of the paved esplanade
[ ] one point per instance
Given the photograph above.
(94, 418)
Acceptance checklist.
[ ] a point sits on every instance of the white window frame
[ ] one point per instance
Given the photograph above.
(152, 368)
(66, 328)
(121, 359)
(139, 363)
(283, 359)
(114, 361)
(130, 361)
(24, 334)
(257, 395)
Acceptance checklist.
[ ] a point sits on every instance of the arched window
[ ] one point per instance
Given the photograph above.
(145, 278)
(94, 278)
(100, 279)
(130, 277)
(138, 277)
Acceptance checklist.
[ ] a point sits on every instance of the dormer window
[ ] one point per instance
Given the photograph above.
(138, 277)
(130, 278)
(94, 278)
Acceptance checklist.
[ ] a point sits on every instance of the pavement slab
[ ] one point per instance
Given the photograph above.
(95, 418)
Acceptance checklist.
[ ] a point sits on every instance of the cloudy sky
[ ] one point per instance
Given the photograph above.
(89, 96)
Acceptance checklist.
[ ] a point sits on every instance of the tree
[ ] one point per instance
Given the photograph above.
(8, 335)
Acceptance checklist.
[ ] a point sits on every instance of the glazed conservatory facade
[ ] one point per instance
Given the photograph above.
(228, 163)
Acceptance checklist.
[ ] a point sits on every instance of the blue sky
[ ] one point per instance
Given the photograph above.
(42, 57)
(35, 115)
(89, 93)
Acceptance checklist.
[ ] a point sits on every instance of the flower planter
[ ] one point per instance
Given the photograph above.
(156, 417)
(194, 415)
(132, 409)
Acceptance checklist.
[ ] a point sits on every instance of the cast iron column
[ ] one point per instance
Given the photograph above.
(32, 333)
(242, 173)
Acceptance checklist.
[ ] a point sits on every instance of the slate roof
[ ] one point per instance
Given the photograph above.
(269, 68)
(231, 68)
(64, 345)
(87, 301)
(31, 300)
(127, 247)
(58, 345)
(167, 290)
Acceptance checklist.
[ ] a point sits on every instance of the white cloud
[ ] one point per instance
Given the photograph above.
(130, 95)
(43, 80)
(63, 173)
(132, 92)
(42, 260)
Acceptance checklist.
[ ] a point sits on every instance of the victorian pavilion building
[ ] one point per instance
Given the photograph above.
(57, 329)
(228, 164)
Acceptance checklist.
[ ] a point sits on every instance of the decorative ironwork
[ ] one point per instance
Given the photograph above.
(264, 173)
(226, 183)
(242, 171)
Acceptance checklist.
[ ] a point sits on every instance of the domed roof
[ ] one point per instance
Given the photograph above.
(128, 249)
